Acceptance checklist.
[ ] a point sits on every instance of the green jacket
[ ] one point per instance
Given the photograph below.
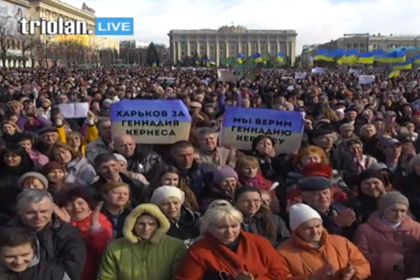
(130, 258)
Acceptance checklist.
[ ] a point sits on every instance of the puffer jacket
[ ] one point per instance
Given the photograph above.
(385, 246)
(304, 259)
(130, 258)
(145, 162)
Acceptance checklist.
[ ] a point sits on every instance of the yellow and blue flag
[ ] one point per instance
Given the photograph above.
(416, 60)
(349, 57)
(280, 57)
(257, 57)
(396, 56)
(394, 74)
(240, 58)
(407, 65)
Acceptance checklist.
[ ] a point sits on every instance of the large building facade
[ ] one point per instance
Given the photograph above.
(11, 11)
(228, 41)
(369, 42)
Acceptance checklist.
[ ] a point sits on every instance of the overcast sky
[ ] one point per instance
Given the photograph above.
(315, 21)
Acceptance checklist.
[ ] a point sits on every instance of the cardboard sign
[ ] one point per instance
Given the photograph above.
(228, 75)
(242, 125)
(300, 76)
(366, 79)
(318, 70)
(151, 121)
(74, 110)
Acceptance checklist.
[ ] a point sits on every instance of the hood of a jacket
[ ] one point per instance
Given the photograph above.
(152, 210)
(375, 221)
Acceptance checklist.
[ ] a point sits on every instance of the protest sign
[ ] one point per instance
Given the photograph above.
(318, 70)
(242, 125)
(74, 110)
(151, 121)
(228, 75)
(354, 71)
(300, 76)
(366, 79)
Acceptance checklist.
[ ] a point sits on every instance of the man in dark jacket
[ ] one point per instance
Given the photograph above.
(339, 159)
(336, 218)
(60, 243)
(19, 257)
(108, 169)
(138, 160)
(198, 176)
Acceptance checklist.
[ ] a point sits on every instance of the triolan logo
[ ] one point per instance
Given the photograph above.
(114, 26)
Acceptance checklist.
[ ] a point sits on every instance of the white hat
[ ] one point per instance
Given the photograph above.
(301, 213)
(120, 157)
(195, 105)
(163, 193)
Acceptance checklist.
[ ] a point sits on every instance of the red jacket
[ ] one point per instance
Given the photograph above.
(385, 246)
(95, 242)
(255, 255)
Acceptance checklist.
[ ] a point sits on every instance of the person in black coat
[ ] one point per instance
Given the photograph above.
(60, 243)
(370, 188)
(19, 258)
(185, 224)
(411, 187)
(258, 219)
(139, 160)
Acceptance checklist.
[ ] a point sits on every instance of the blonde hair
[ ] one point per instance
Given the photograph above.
(215, 214)
(218, 203)
(363, 129)
(246, 161)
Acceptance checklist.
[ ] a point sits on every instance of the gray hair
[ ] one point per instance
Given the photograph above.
(215, 214)
(29, 196)
(206, 131)
(217, 203)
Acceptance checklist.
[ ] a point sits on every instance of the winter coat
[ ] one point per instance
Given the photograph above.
(304, 259)
(36, 270)
(139, 193)
(96, 241)
(213, 194)
(61, 244)
(363, 206)
(342, 162)
(258, 181)
(117, 222)
(187, 228)
(130, 258)
(411, 189)
(208, 258)
(198, 178)
(221, 156)
(80, 172)
(145, 162)
(385, 246)
(96, 148)
(331, 227)
(256, 225)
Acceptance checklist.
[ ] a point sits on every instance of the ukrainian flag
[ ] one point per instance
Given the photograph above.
(324, 55)
(394, 74)
(212, 63)
(350, 57)
(368, 57)
(397, 56)
(240, 58)
(257, 57)
(407, 65)
(154, 63)
(280, 57)
(416, 60)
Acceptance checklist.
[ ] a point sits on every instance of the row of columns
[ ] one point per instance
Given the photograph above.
(176, 49)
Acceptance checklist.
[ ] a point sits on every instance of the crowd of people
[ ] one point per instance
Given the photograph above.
(77, 202)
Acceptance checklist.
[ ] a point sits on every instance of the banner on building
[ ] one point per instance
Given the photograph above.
(366, 79)
(10, 16)
(151, 121)
(242, 125)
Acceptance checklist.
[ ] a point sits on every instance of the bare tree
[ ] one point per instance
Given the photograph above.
(5, 37)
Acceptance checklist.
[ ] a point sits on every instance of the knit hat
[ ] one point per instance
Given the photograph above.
(314, 183)
(370, 173)
(391, 198)
(224, 172)
(37, 175)
(120, 157)
(52, 165)
(165, 192)
(300, 213)
(317, 169)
